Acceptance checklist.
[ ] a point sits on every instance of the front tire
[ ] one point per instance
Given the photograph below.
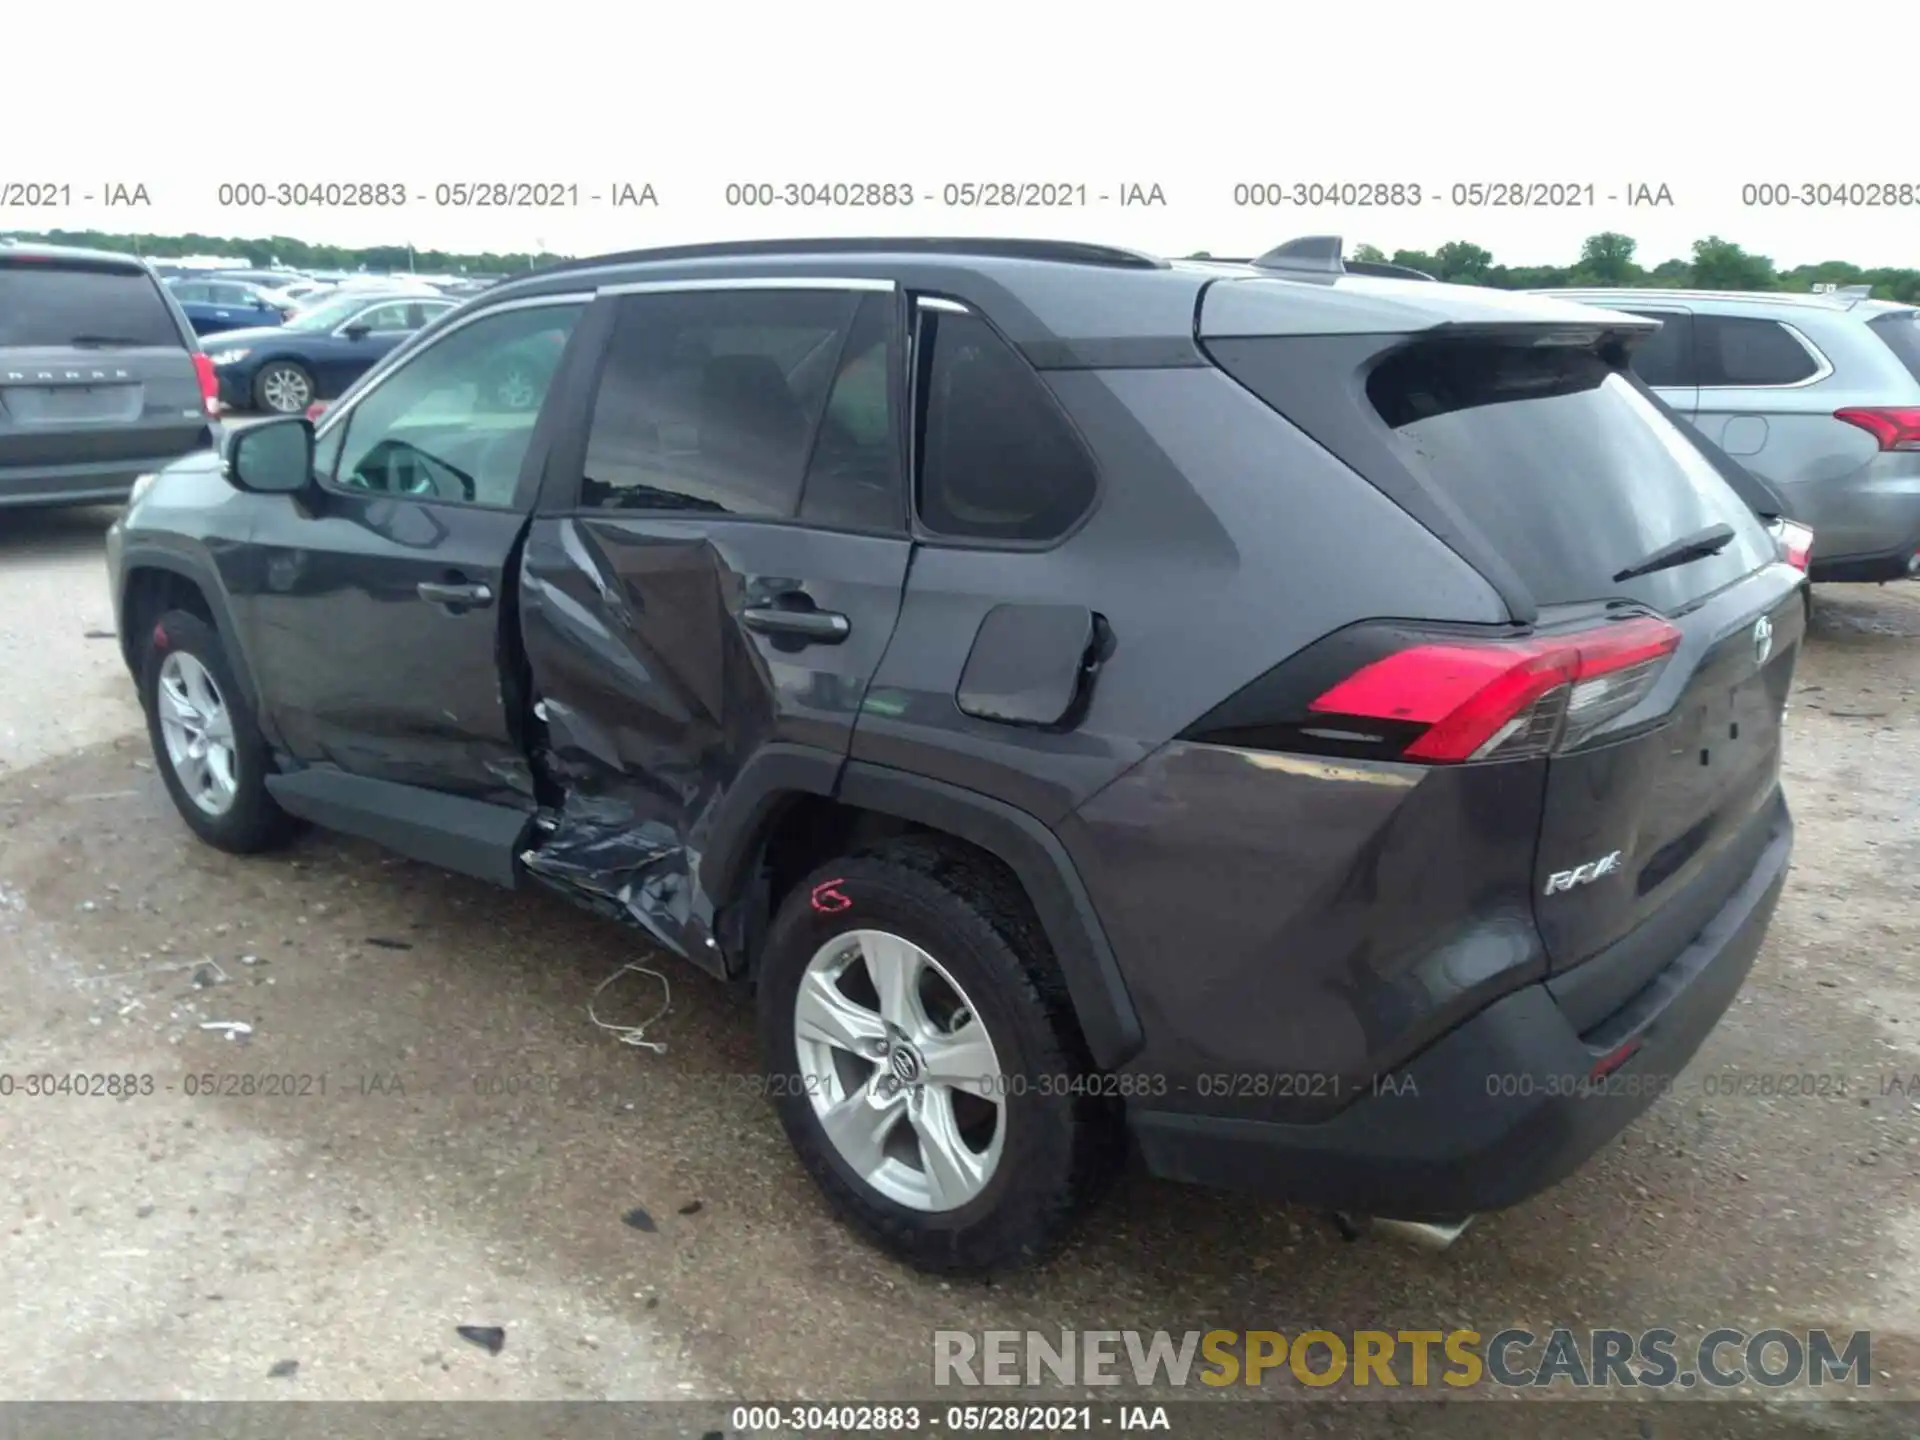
(922, 1057)
(206, 743)
(283, 388)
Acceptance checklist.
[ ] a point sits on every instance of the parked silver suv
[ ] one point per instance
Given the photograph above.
(1818, 395)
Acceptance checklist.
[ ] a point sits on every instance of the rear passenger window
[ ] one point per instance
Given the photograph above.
(998, 459)
(853, 479)
(709, 400)
(1734, 351)
(1663, 358)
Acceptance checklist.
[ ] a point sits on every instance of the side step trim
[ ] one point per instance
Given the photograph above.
(469, 837)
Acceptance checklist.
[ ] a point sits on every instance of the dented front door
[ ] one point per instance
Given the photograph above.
(679, 612)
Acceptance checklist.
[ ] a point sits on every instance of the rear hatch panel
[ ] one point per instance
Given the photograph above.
(94, 368)
(1519, 438)
(1638, 821)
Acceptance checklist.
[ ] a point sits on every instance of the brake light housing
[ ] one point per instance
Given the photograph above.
(1503, 699)
(1795, 541)
(1893, 427)
(209, 382)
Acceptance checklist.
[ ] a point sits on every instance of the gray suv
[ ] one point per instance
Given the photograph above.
(1324, 728)
(101, 379)
(1818, 395)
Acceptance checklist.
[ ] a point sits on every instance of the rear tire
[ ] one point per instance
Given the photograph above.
(206, 743)
(981, 1176)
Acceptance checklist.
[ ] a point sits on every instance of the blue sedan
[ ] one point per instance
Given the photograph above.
(214, 306)
(318, 353)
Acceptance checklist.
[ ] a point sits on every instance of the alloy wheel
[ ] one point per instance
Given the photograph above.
(286, 390)
(198, 730)
(516, 390)
(900, 1070)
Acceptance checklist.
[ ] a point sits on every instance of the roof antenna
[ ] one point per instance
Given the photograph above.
(1310, 252)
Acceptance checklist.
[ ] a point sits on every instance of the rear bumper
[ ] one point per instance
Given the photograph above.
(89, 483)
(1499, 1109)
(1899, 563)
(1866, 525)
(236, 387)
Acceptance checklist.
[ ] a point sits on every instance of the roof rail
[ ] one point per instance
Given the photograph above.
(1072, 252)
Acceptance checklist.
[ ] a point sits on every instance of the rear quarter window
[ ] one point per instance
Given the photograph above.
(58, 305)
(999, 460)
(1736, 351)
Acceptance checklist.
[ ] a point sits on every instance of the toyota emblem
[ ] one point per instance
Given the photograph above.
(1762, 640)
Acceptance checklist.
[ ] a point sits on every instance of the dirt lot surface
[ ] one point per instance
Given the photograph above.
(462, 1145)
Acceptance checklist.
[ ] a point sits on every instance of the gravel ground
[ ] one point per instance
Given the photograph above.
(480, 1145)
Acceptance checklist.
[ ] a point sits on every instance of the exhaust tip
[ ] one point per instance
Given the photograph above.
(1434, 1235)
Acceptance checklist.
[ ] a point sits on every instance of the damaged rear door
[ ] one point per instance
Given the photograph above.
(713, 574)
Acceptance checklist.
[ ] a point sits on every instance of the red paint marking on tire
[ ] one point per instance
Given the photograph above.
(828, 899)
(159, 637)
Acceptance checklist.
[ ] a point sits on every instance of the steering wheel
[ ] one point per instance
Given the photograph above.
(425, 474)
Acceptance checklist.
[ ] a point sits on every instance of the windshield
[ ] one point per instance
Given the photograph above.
(333, 312)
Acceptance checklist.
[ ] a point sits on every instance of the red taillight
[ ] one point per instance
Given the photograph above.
(1795, 541)
(1893, 427)
(1507, 698)
(209, 383)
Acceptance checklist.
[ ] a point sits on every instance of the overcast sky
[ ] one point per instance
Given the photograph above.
(1193, 99)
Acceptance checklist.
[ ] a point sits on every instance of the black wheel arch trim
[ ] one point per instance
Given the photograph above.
(1038, 860)
(204, 578)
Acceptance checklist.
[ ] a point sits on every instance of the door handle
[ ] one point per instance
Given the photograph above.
(436, 592)
(821, 627)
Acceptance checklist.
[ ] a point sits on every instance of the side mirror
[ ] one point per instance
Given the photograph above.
(273, 457)
(357, 332)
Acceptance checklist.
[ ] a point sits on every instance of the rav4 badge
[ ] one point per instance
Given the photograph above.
(1583, 874)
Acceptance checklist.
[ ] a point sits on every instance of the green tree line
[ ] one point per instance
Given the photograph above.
(1608, 258)
(1611, 259)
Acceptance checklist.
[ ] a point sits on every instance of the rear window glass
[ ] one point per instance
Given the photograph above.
(1566, 467)
(1901, 330)
(60, 305)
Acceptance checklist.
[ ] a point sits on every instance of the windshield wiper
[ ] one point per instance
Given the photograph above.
(105, 340)
(1710, 541)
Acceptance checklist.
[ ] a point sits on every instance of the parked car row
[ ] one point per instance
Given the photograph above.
(318, 352)
(219, 300)
(1816, 395)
